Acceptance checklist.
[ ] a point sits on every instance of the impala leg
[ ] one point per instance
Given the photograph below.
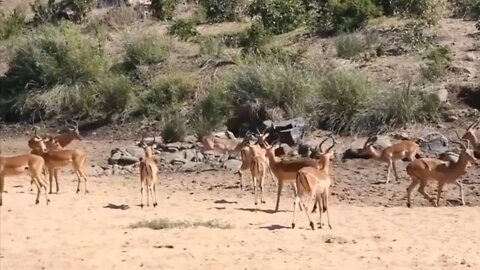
(51, 174)
(240, 174)
(2, 186)
(388, 170)
(43, 184)
(78, 180)
(395, 170)
(254, 181)
(279, 192)
(37, 200)
(148, 193)
(296, 201)
(421, 189)
(410, 189)
(318, 200)
(56, 180)
(460, 186)
(325, 207)
(305, 208)
(154, 195)
(439, 192)
(295, 192)
(262, 200)
(141, 193)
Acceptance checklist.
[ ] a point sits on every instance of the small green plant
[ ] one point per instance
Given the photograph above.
(163, 9)
(220, 10)
(12, 24)
(164, 223)
(279, 16)
(183, 29)
(254, 39)
(174, 130)
(344, 16)
(349, 45)
(146, 49)
(437, 62)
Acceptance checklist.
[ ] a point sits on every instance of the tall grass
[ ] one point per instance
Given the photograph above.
(146, 49)
(349, 45)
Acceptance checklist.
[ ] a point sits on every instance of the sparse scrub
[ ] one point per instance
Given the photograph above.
(52, 55)
(174, 130)
(279, 16)
(52, 11)
(113, 94)
(120, 17)
(437, 62)
(12, 24)
(163, 9)
(344, 16)
(349, 45)
(220, 10)
(431, 11)
(466, 9)
(211, 46)
(183, 29)
(215, 108)
(164, 223)
(146, 49)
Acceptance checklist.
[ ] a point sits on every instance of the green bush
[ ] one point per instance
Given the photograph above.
(349, 45)
(220, 10)
(73, 10)
(430, 11)
(163, 9)
(275, 85)
(183, 29)
(254, 39)
(211, 46)
(215, 108)
(279, 16)
(113, 94)
(437, 62)
(56, 54)
(467, 9)
(174, 130)
(121, 16)
(146, 49)
(12, 24)
(344, 16)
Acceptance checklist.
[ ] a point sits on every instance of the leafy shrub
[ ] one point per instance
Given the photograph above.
(73, 10)
(52, 55)
(275, 85)
(220, 10)
(468, 9)
(430, 11)
(344, 16)
(183, 29)
(279, 16)
(254, 39)
(146, 49)
(174, 130)
(215, 108)
(437, 61)
(120, 16)
(113, 94)
(12, 24)
(349, 45)
(163, 9)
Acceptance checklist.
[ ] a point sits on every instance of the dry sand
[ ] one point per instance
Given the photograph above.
(91, 231)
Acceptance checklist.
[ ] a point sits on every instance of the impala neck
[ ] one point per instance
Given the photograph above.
(473, 139)
(458, 168)
(376, 154)
(148, 152)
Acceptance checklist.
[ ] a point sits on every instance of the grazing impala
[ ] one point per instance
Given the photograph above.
(33, 164)
(424, 170)
(231, 146)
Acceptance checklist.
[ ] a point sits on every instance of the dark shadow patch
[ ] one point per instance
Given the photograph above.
(222, 201)
(18, 186)
(275, 227)
(220, 208)
(267, 211)
(115, 206)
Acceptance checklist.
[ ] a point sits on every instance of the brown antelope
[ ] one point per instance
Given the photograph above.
(33, 164)
(390, 154)
(148, 172)
(246, 154)
(424, 170)
(230, 146)
(56, 157)
(63, 139)
(286, 171)
(258, 168)
(313, 183)
(470, 135)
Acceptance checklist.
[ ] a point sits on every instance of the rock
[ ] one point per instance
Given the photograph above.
(451, 118)
(233, 164)
(460, 70)
(470, 57)
(169, 158)
(433, 143)
(449, 156)
(304, 150)
(288, 131)
(442, 95)
(135, 151)
(127, 160)
(94, 170)
(189, 167)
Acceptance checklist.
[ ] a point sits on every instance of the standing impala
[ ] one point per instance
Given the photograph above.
(148, 172)
(33, 164)
(63, 139)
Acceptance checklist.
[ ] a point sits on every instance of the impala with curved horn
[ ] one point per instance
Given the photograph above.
(148, 172)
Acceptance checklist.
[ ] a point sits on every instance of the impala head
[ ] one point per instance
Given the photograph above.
(319, 152)
(38, 143)
(470, 132)
(51, 143)
(261, 139)
(73, 130)
(148, 147)
(466, 149)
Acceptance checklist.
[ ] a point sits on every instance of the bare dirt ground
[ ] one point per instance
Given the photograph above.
(372, 228)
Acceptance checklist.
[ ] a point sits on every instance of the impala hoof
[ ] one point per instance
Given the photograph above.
(37, 201)
(313, 225)
(155, 204)
(263, 202)
(141, 205)
(78, 190)
(293, 225)
(330, 226)
(51, 192)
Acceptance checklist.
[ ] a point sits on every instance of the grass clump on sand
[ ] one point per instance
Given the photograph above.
(165, 223)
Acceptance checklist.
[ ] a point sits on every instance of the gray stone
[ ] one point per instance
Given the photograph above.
(233, 164)
(433, 143)
(442, 95)
(470, 57)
